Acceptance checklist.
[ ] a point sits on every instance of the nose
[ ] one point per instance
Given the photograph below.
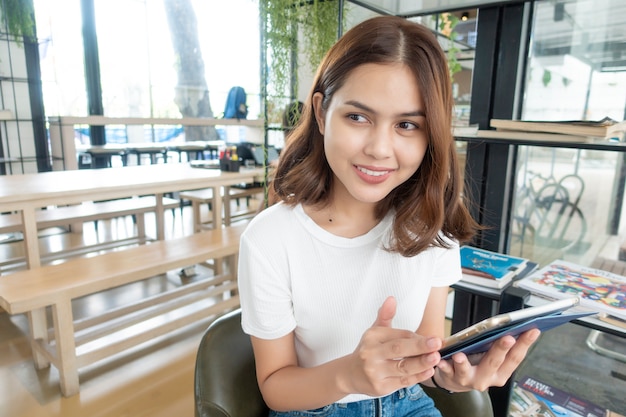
(380, 143)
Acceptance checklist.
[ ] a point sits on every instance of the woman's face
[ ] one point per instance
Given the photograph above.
(374, 131)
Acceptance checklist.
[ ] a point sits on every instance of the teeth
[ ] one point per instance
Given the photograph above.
(372, 173)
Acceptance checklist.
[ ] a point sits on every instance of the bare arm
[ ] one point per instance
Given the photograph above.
(373, 368)
(433, 322)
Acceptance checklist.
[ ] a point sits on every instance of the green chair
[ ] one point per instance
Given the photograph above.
(226, 385)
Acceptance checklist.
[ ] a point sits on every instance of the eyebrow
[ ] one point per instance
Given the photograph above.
(362, 106)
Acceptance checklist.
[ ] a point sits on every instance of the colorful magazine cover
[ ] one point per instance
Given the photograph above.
(598, 290)
(534, 398)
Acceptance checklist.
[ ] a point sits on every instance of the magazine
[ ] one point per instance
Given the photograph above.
(489, 269)
(534, 398)
(598, 290)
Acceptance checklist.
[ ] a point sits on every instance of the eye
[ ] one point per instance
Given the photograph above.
(357, 118)
(408, 125)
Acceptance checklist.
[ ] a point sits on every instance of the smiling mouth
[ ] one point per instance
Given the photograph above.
(372, 173)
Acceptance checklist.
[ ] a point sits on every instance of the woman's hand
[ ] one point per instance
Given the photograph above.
(385, 360)
(388, 359)
(491, 369)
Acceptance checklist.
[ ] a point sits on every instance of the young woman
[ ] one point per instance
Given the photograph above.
(344, 282)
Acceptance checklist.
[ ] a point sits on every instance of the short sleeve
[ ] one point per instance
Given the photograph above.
(263, 281)
(448, 265)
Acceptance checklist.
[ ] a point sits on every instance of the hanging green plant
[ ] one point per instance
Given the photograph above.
(320, 24)
(18, 18)
(281, 39)
(446, 24)
(316, 21)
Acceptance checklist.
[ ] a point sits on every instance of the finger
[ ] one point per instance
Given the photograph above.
(518, 352)
(459, 368)
(507, 347)
(386, 313)
(495, 356)
(416, 354)
(415, 365)
(504, 357)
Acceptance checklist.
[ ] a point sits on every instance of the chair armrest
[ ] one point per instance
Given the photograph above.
(461, 404)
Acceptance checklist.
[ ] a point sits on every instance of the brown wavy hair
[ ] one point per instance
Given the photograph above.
(430, 201)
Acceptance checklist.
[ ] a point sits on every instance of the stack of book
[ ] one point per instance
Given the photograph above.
(490, 269)
(606, 129)
(598, 290)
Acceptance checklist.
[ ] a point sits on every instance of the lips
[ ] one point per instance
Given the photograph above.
(372, 176)
(372, 173)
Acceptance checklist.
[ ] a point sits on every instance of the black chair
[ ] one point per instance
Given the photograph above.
(226, 385)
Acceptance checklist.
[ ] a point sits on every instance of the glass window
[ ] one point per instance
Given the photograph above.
(577, 64)
(139, 65)
(569, 201)
(61, 60)
(137, 60)
(456, 32)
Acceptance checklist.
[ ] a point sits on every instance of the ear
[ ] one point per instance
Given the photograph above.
(318, 111)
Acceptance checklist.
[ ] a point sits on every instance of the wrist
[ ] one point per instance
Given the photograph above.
(436, 384)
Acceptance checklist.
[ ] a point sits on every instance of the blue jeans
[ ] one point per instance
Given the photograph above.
(406, 402)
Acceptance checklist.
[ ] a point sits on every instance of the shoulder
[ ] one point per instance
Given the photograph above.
(272, 221)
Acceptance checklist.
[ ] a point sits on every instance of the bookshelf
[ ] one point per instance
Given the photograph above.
(492, 170)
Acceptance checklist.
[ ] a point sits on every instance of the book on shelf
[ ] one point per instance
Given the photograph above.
(531, 397)
(489, 269)
(534, 136)
(606, 128)
(599, 290)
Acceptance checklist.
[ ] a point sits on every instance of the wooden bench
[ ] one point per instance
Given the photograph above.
(205, 196)
(52, 288)
(91, 211)
(74, 216)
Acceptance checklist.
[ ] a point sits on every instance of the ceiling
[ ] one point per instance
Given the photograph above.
(410, 8)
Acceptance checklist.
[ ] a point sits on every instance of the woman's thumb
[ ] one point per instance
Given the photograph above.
(386, 312)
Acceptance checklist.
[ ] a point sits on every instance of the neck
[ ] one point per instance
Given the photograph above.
(344, 220)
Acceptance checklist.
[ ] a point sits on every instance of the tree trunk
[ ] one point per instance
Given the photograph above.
(191, 95)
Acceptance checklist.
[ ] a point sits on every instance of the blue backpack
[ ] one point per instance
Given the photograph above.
(236, 107)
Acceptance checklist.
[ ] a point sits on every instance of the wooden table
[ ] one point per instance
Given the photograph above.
(197, 147)
(152, 149)
(107, 151)
(28, 192)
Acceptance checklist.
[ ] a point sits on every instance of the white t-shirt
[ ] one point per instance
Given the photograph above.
(296, 276)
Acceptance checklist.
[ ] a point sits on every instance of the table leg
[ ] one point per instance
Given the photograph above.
(227, 212)
(197, 220)
(38, 327)
(31, 239)
(66, 347)
(159, 213)
(217, 206)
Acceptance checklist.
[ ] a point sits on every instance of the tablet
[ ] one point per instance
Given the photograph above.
(480, 336)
